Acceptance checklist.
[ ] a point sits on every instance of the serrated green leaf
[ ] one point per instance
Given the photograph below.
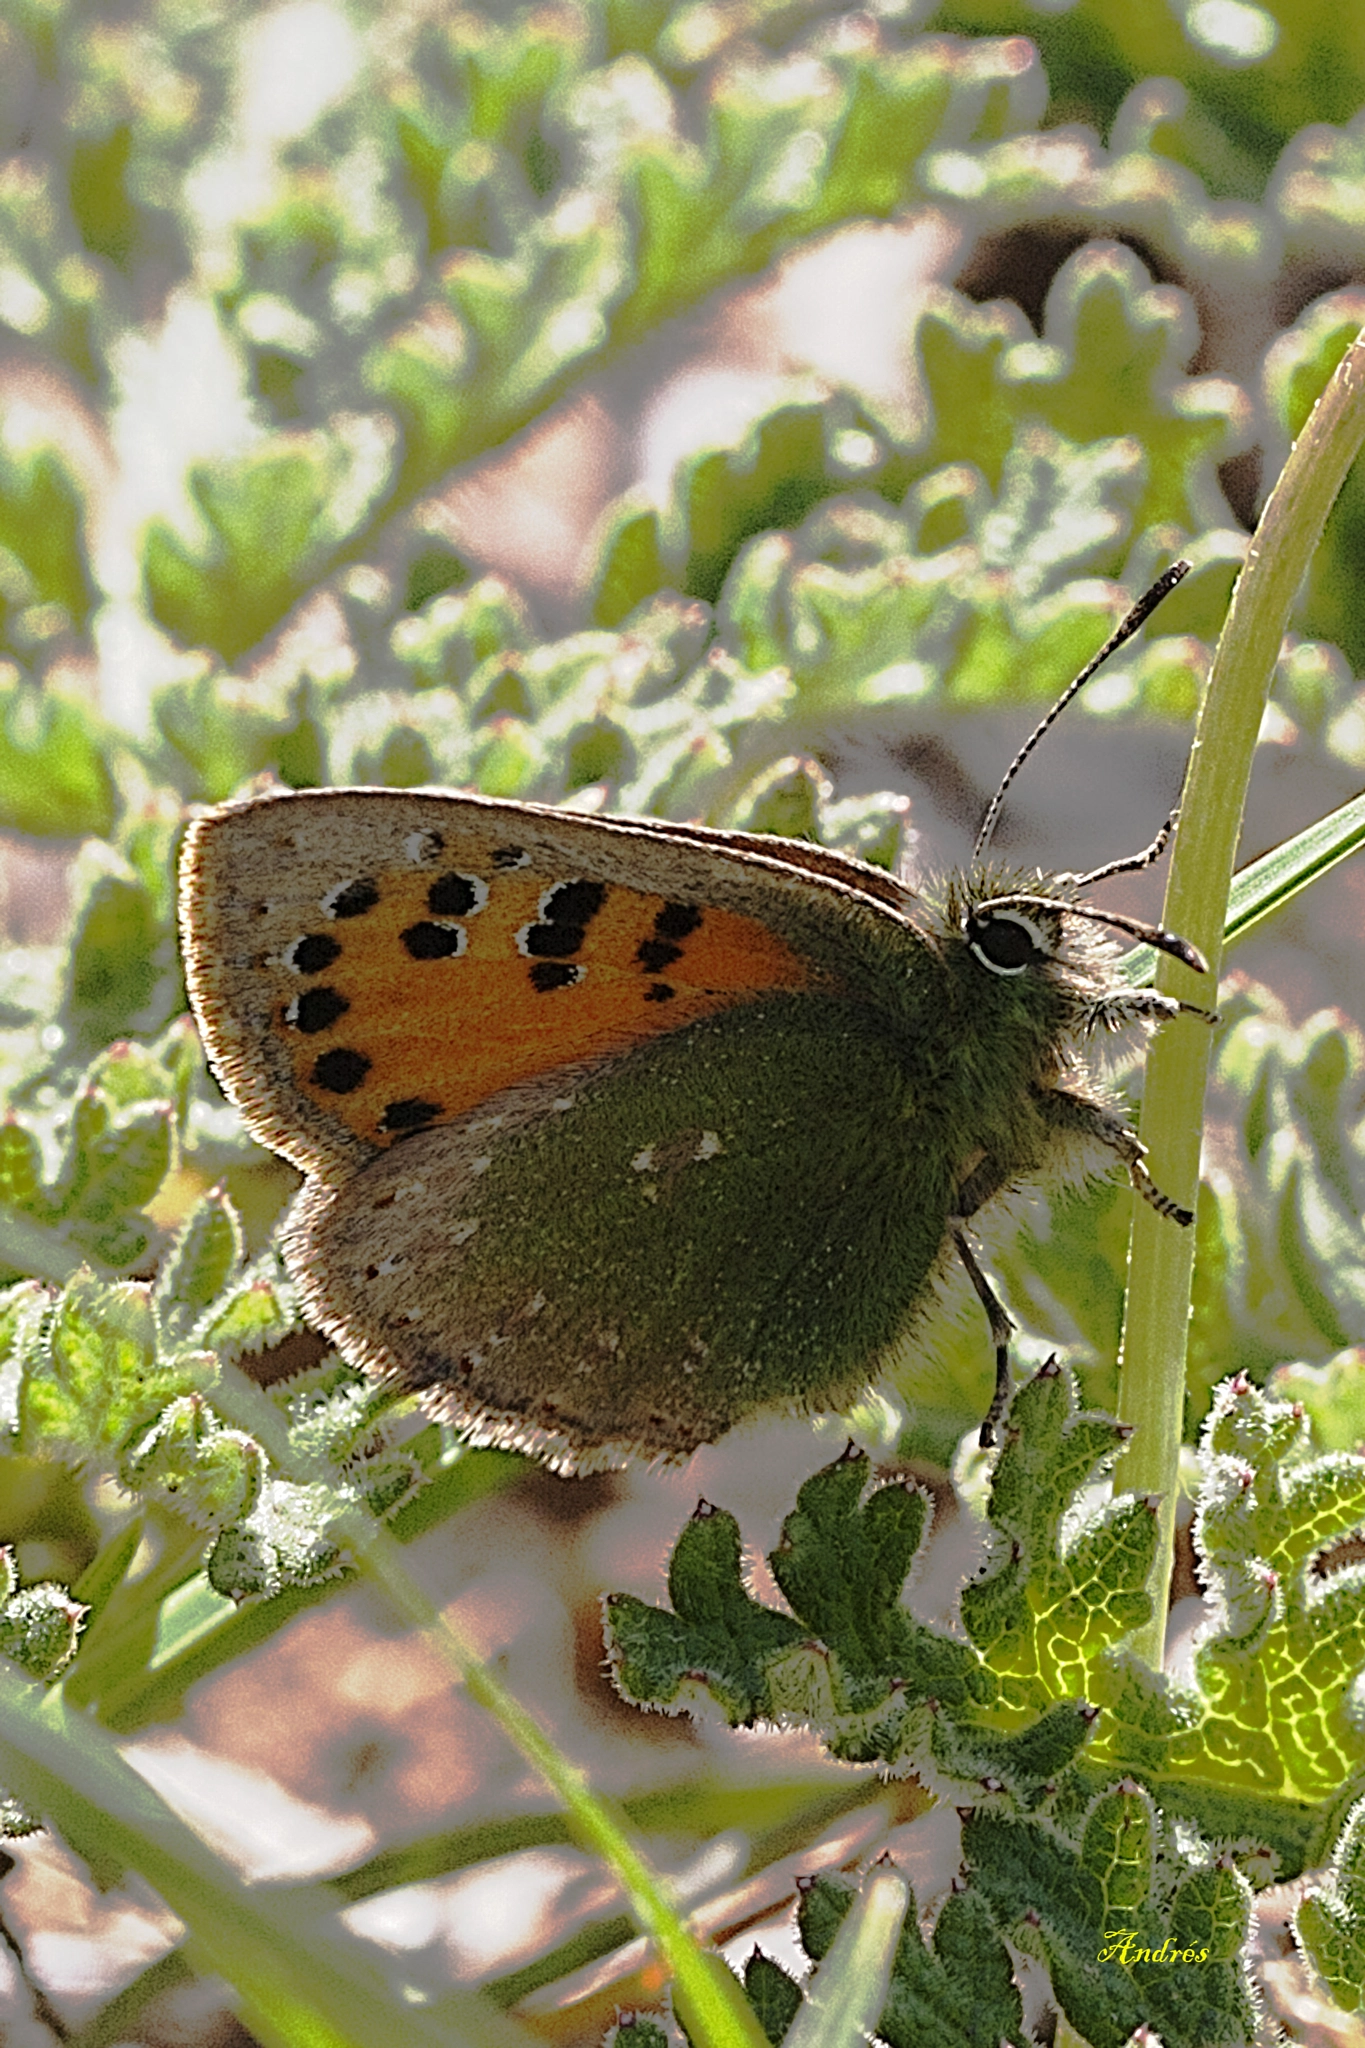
(1043, 1612)
(99, 1371)
(842, 1564)
(960, 1991)
(1330, 1922)
(1277, 1672)
(442, 644)
(259, 1311)
(774, 1996)
(640, 2030)
(204, 1259)
(716, 1637)
(822, 1905)
(1025, 1763)
(1117, 1848)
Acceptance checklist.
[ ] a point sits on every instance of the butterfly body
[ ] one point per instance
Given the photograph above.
(614, 1131)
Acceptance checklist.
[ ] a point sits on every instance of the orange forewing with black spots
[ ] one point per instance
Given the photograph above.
(366, 971)
(422, 1016)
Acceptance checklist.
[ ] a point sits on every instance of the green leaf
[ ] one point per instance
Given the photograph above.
(842, 1564)
(442, 642)
(265, 524)
(99, 1372)
(957, 1991)
(1111, 1975)
(204, 1259)
(717, 1637)
(774, 1996)
(1058, 1591)
(1330, 1922)
(42, 520)
(120, 977)
(55, 776)
(1297, 370)
(1277, 1671)
(254, 1314)
(211, 1475)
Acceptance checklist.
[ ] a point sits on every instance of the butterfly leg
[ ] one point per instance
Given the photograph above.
(1096, 1120)
(1116, 1011)
(1001, 1326)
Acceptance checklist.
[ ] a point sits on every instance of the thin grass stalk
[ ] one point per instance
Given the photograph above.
(1161, 1259)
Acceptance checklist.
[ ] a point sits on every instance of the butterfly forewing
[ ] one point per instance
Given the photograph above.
(366, 964)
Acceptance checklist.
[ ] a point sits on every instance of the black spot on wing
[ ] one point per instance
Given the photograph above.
(574, 902)
(317, 1009)
(565, 914)
(341, 1070)
(313, 954)
(677, 921)
(353, 899)
(455, 896)
(672, 924)
(547, 975)
(552, 941)
(435, 941)
(410, 1114)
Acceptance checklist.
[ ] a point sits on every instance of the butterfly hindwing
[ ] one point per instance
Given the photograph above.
(632, 1255)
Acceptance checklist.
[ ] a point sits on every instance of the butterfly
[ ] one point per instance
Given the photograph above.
(617, 1131)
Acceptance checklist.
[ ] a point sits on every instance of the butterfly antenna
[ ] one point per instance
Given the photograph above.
(1134, 861)
(1136, 927)
(1125, 630)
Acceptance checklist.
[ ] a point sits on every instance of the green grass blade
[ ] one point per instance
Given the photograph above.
(1277, 877)
(303, 1985)
(1264, 886)
(706, 1993)
(845, 2001)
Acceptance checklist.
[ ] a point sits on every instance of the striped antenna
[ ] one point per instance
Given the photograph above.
(1125, 630)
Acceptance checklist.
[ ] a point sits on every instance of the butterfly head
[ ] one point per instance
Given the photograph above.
(1029, 944)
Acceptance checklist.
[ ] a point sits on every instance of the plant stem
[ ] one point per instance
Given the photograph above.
(1161, 1259)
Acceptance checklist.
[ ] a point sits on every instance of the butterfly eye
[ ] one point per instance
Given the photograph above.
(1006, 941)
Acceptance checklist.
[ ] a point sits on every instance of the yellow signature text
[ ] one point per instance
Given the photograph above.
(1122, 1946)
